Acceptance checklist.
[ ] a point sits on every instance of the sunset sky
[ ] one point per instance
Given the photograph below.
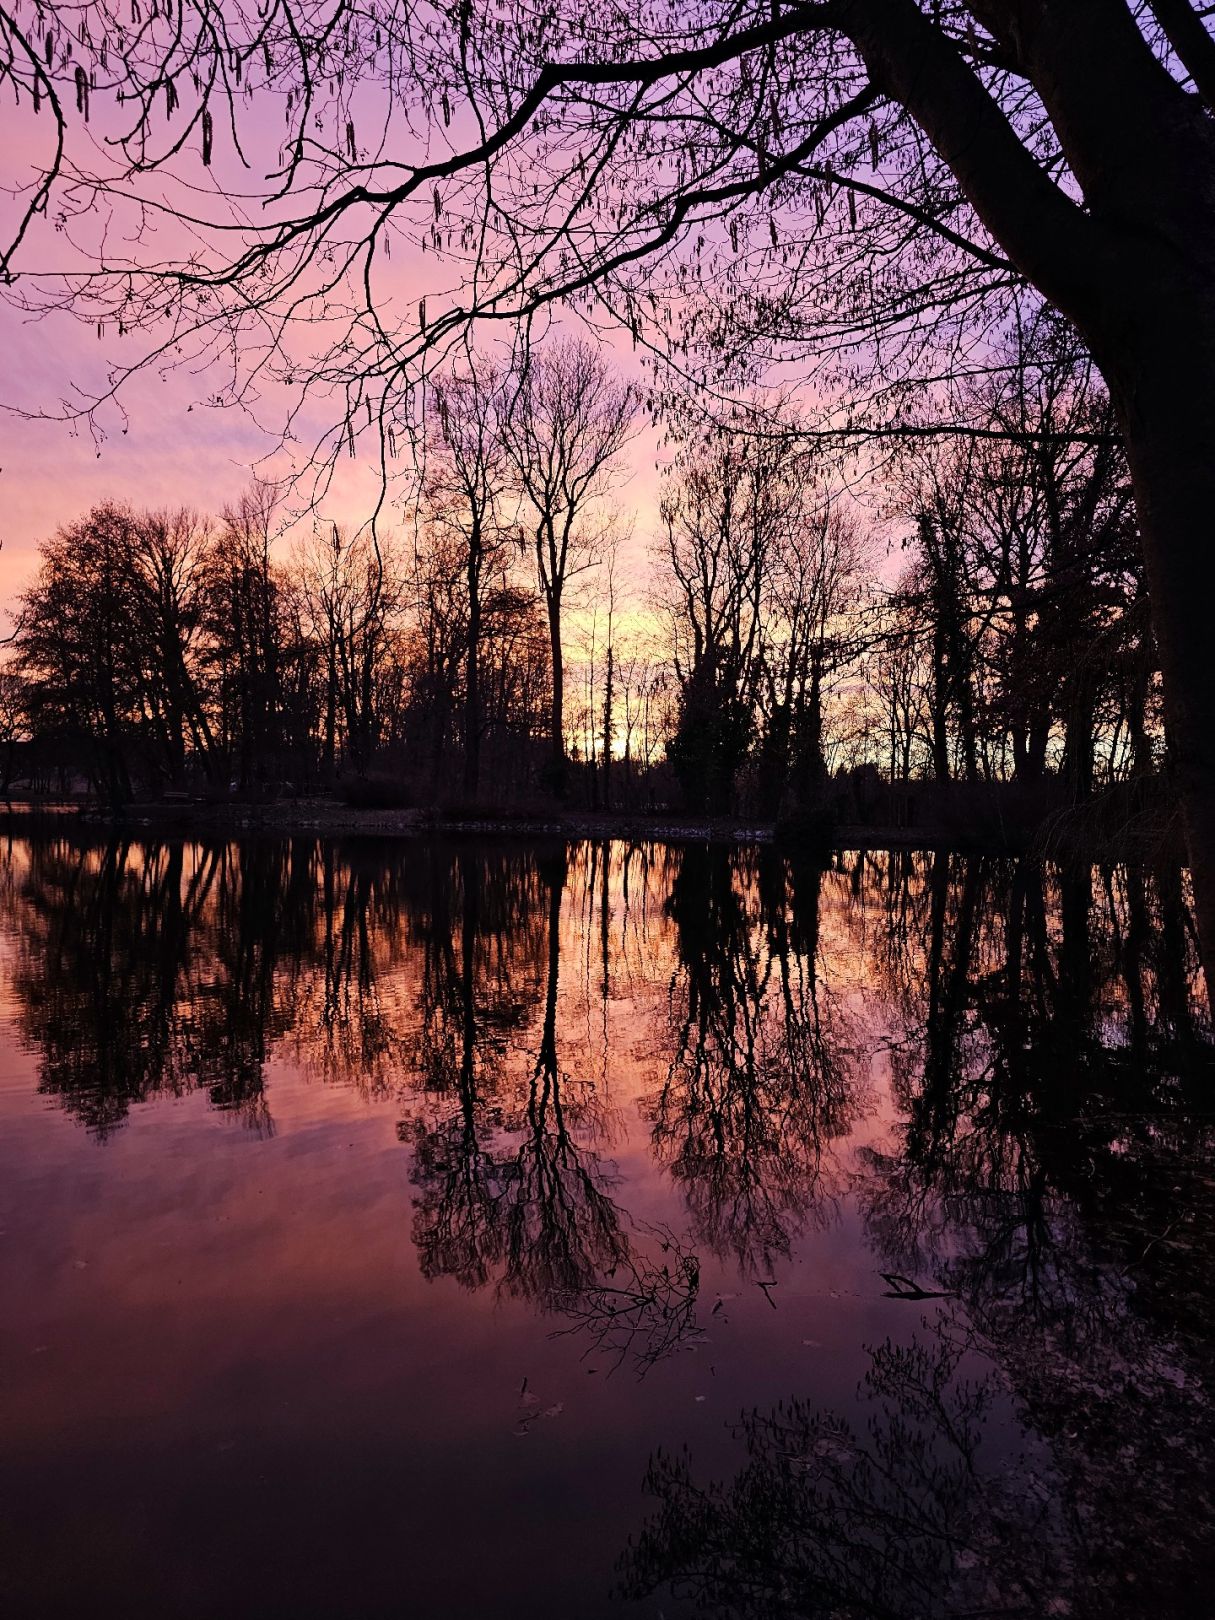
(169, 454)
(173, 449)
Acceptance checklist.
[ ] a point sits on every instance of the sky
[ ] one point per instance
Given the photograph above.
(174, 451)
(165, 447)
(51, 472)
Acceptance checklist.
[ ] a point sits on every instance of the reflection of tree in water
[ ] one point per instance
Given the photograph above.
(235, 1012)
(509, 1184)
(1053, 1170)
(344, 970)
(562, 1229)
(1049, 1059)
(1029, 1074)
(146, 969)
(1052, 1068)
(760, 1076)
(116, 981)
(470, 998)
(904, 1515)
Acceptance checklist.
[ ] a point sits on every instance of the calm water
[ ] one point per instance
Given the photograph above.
(500, 1230)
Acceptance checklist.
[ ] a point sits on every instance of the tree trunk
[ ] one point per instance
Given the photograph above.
(1036, 743)
(608, 694)
(557, 762)
(814, 765)
(1079, 745)
(330, 765)
(1166, 404)
(940, 704)
(472, 690)
(774, 761)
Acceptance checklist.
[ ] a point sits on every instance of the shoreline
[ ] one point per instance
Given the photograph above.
(325, 818)
(334, 819)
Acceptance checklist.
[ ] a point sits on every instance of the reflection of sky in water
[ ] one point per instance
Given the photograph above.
(371, 1216)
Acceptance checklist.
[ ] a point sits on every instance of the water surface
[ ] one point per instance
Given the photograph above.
(475, 1229)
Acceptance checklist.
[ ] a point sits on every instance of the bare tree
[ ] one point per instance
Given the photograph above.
(812, 635)
(465, 491)
(1026, 579)
(564, 429)
(14, 725)
(717, 549)
(105, 637)
(435, 645)
(353, 597)
(170, 554)
(245, 592)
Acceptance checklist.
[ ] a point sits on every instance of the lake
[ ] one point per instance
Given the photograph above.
(500, 1229)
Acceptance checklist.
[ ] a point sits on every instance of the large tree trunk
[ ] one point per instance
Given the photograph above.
(1166, 403)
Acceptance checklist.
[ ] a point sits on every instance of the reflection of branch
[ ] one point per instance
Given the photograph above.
(897, 1519)
(522, 1201)
(648, 1313)
(157, 984)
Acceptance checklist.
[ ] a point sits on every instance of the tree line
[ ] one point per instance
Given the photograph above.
(166, 649)
(985, 622)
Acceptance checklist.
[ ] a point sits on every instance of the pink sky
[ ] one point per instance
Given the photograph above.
(169, 455)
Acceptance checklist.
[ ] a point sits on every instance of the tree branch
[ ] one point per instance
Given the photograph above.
(1185, 32)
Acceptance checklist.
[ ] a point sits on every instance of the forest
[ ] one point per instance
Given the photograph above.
(974, 648)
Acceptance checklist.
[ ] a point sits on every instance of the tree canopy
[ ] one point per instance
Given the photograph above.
(854, 192)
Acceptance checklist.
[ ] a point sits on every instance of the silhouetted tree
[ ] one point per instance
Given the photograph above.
(467, 484)
(565, 427)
